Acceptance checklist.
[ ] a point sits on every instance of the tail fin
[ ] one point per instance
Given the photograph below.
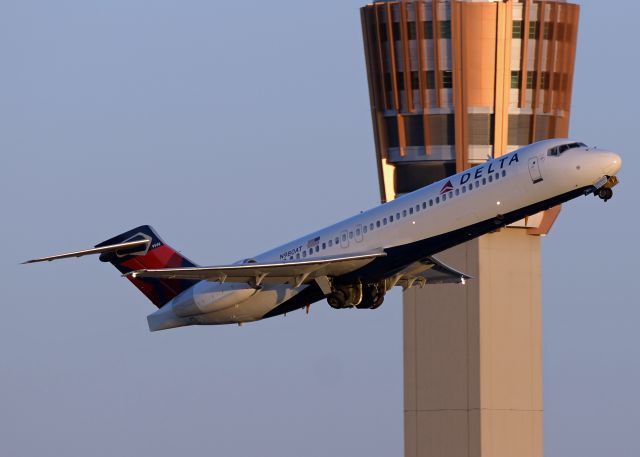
(155, 254)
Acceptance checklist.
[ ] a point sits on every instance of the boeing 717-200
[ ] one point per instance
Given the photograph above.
(355, 262)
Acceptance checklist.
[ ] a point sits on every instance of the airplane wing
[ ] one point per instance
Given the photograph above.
(294, 273)
(429, 271)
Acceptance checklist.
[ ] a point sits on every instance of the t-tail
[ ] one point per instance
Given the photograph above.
(139, 248)
(155, 254)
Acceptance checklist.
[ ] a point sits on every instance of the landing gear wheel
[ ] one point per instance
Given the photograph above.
(605, 193)
(337, 299)
(373, 296)
(378, 299)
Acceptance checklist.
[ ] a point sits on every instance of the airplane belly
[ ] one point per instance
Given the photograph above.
(256, 306)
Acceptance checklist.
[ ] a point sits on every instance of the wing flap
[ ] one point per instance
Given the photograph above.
(430, 271)
(296, 273)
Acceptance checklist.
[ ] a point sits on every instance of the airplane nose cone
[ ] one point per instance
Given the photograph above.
(612, 163)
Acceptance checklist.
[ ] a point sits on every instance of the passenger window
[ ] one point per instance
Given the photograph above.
(330, 243)
(397, 216)
(304, 254)
(437, 200)
(497, 175)
(344, 237)
(444, 197)
(430, 202)
(504, 173)
(378, 224)
(364, 229)
(391, 218)
(317, 248)
(357, 232)
(411, 210)
(464, 189)
(350, 235)
(337, 240)
(324, 246)
(424, 204)
(457, 191)
(477, 183)
(384, 221)
(450, 194)
(490, 178)
(310, 251)
(298, 255)
(290, 257)
(404, 212)
(371, 226)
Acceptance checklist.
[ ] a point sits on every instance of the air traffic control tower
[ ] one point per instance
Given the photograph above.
(453, 82)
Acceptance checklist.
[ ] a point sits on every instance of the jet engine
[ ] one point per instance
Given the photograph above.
(208, 297)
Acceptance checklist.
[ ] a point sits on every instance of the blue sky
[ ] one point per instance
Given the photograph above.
(231, 127)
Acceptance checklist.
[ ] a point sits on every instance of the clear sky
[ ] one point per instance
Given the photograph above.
(232, 127)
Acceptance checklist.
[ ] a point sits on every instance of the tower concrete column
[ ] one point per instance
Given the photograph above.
(472, 354)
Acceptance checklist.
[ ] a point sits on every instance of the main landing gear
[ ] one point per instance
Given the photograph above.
(606, 191)
(357, 295)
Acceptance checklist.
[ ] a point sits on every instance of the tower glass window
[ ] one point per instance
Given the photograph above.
(411, 30)
(516, 31)
(428, 30)
(431, 79)
(414, 130)
(531, 79)
(415, 80)
(447, 79)
(515, 79)
(445, 29)
(392, 132)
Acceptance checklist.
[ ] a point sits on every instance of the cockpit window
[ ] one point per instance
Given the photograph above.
(556, 151)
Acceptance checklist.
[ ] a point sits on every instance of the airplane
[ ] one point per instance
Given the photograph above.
(353, 263)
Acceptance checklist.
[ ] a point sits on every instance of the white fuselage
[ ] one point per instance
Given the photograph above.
(509, 183)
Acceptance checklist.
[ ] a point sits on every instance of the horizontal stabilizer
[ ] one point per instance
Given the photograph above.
(126, 248)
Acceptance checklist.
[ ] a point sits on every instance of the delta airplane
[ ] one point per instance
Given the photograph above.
(355, 262)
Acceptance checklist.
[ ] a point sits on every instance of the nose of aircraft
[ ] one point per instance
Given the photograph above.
(611, 163)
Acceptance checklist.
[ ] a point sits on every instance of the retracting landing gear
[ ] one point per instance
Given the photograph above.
(357, 295)
(606, 191)
(373, 295)
(345, 295)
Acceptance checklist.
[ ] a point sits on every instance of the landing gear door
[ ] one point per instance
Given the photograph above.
(534, 170)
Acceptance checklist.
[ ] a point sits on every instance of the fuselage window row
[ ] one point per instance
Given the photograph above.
(402, 214)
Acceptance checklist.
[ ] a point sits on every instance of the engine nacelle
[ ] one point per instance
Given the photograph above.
(207, 297)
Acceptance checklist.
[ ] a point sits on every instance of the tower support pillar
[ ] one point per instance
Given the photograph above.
(472, 354)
